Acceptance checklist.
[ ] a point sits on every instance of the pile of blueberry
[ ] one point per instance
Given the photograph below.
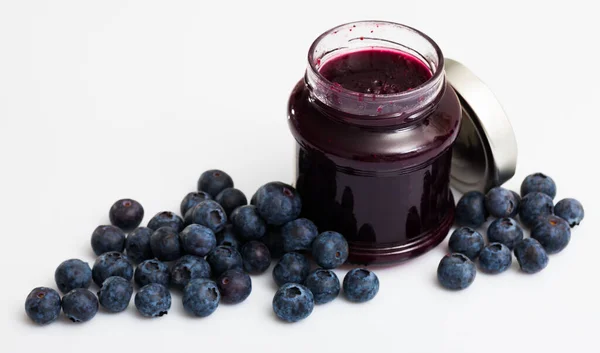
(550, 227)
(211, 250)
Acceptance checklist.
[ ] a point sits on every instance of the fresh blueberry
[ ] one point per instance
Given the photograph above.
(293, 302)
(278, 203)
(495, 258)
(291, 268)
(166, 219)
(247, 223)
(467, 242)
(73, 274)
(553, 233)
(515, 212)
(115, 294)
(323, 284)
(500, 202)
(470, 210)
(126, 214)
(209, 214)
(298, 235)
(138, 246)
(201, 297)
(192, 199)
(224, 258)
(187, 268)
(505, 231)
(256, 256)
(165, 244)
(228, 237)
(153, 300)
(538, 182)
(43, 305)
(214, 181)
(330, 250)
(80, 305)
(188, 217)
(107, 238)
(152, 271)
(111, 264)
(570, 210)
(197, 240)
(534, 206)
(531, 255)
(456, 271)
(230, 199)
(360, 285)
(235, 286)
(274, 242)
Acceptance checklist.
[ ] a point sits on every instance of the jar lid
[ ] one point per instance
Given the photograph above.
(485, 151)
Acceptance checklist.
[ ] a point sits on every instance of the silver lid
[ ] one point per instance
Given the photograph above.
(485, 151)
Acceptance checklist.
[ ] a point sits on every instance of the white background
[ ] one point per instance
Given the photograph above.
(101, 100)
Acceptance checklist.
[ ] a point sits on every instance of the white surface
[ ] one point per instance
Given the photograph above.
(111, 99)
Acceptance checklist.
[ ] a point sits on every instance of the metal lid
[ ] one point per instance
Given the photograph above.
(485, 151)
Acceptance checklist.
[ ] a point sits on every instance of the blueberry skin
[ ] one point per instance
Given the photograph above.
(293, 302)
(153, 300)
(209, 214)
(553, 233)
(531, 256)
(214, 181)
(247, 223)
(137, 244)
(115, 294)
(278, 203)
(360, 285)
(495, 258)
(201, 297)
(80, 305)
(323, 284)
(298, 235)
(111, 264)
(274, 242)
(126, 214)
(107, 238)
(166, 219)
(515, 211)
(505, 231)
(228, 237)
(456, 271)
(256, 256)
(72, 274)
(467, 242)
(187, 268)
(253, 199)
(500, 202)
(152, 271)
(470, 210)
(534, 206)
(192, 199)
(330, 250)
(224, 258)
(291, 268)
(165, 244)
(538, 182)
(230, 199)
(235, 286)
(43, 305)
(570, 210)
(197, 240)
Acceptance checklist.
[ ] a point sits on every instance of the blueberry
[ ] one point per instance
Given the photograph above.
(531, 255)
(256, 256)
(360, 285)
(247, 223)
(515, 211)
(456, 271)
(553, 233)
(470, 210)
(273, 241)
(253, 199)
(107, 238)
(80, 305)
(153, 300)
(278, 203)
(197, 240)
(166, 219)
(201, 297)
(188, 217)
(323, 284)
(293, 302)
(209, 214)
(165, 244)
(467, 242)
(495, 258)
(228, 237)
(71, 274)
(138, 246)
(43, 305)
(330, 250)
(224, 258)
(234, 285)
(152, 271)
(538, 182)
(126, 214)
(505, 231)
(192, 199)
(187, 268)
(115, 294)
(291, 268)
(500, 202)
(570, 210)
(111, 264)
(230, 199)
(298, 235)
(534, 206)
(214, 181)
